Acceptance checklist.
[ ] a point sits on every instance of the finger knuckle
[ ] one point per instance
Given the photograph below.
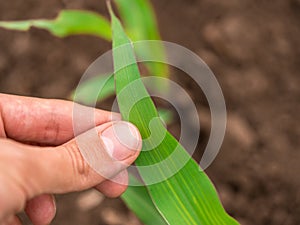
(81, 169)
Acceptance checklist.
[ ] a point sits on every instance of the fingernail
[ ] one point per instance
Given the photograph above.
(121, 140)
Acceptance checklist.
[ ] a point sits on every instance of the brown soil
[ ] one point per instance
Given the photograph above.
(253, 47)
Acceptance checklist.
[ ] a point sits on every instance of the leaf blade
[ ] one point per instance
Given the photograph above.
(95, 89)
(138, 200)
(68, 22)
(186, 197)
(142, 25)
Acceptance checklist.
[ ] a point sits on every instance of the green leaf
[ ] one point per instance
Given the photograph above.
(184, 193)
(68, 22)
(138, 200)
(140, 24)
(95, 89)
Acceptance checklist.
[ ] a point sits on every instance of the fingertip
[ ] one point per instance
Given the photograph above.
(122, 141)
(41, 210)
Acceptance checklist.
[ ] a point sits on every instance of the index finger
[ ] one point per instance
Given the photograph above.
(43, 121)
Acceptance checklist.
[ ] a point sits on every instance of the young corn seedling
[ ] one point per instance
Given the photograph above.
(188, 196)
(140, 26)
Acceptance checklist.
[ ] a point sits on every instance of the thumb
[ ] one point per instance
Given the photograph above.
(89, 159)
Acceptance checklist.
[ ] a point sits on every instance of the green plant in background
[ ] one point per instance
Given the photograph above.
(187, 197)
(68, 22)
(141, 26)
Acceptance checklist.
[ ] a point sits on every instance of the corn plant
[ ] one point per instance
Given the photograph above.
(187, 197)
(140, 26)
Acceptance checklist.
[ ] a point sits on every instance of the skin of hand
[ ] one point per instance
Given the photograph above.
(39, 156)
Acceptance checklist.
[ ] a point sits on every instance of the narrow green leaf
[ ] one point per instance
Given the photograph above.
(68, 22)
(184, 195)
(138, 200)
(95, 89)
(140, 24)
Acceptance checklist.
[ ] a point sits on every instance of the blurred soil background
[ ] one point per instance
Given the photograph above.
(253, 47)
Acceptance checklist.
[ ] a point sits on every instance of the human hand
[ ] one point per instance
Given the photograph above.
(39, 156)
